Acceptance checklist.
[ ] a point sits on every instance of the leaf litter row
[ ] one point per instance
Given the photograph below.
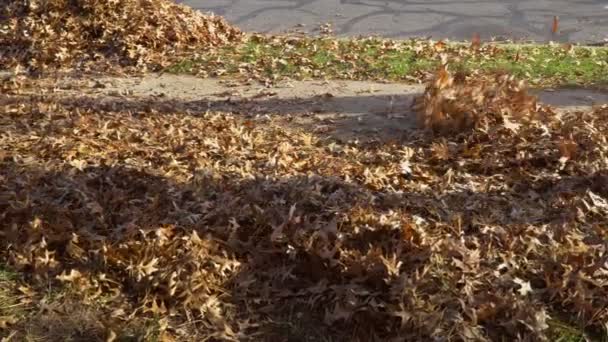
(272, 58)
(486, 223)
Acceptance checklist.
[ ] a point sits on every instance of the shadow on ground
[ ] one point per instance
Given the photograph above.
(287, 282)
(364, 117)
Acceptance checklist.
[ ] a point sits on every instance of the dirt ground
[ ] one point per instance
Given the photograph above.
(342, 110)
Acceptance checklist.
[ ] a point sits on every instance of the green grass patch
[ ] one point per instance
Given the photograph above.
(73, 320)
(6, 274)
(380, 59)
(562, 332)
(10, 308)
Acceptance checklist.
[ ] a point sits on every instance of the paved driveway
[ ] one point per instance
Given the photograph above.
(579, 20)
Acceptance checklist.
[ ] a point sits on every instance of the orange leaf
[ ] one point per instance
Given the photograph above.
(555, 26)
(476, 41)
(444, 79)
(439, 46)
(568, 148)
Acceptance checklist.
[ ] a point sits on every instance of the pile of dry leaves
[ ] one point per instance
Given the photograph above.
(99, 34)
(236, 229)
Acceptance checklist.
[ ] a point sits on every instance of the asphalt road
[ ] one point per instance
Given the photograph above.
(584, 21)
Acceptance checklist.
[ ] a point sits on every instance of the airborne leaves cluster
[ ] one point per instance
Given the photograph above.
(459, 102)
(100, 34)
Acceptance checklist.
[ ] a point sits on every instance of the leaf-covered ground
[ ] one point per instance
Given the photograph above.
(133, 224)
(271, 58)
(138, 221)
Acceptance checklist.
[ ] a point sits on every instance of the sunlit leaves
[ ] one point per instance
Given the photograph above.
(104, 35)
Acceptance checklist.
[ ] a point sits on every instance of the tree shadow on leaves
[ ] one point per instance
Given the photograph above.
(312, 266)
(71, 226)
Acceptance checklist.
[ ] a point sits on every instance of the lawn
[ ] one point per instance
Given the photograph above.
(270, 58)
